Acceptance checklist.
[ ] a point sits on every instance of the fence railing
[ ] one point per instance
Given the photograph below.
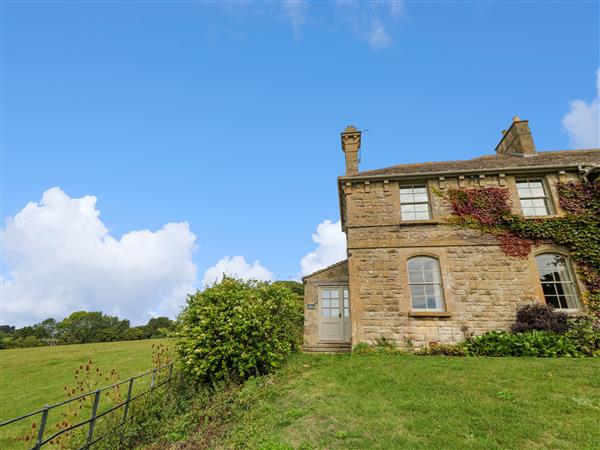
(42, 438)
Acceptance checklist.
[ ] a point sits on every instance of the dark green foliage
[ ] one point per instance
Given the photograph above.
(237, 329)
(443, 350)
(295, 286)
(585, 333)
(532, 343)
(82, 327)
(541, 317)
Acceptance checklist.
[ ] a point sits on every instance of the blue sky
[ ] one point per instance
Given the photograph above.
(227, 115)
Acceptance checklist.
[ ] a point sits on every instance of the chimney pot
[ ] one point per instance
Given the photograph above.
(516, 119)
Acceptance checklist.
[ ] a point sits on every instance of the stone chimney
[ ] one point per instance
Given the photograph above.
(350, 147)
(517, 140)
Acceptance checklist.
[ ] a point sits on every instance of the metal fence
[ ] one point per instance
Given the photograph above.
(41, 437)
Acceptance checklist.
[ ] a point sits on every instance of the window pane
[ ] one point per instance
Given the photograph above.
(325, 293)
(421, 197)
(419, 189)
(335, 293)
(419, 302)
(421, 207)
(421, 216)
(537, 192)
(335, 312)
(325, 313)
(429, 263)
(346, 294)
(325, 303)
(335, 303)
(431, 303)
(417, 290)
(406, 198)
(414, 264)
(415, 276)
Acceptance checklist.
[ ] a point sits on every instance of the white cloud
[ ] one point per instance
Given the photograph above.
(370, 20)
(295, 11)
(236, 267)
(331, 247)
(62, 259)
(582, 122)
(377, 36)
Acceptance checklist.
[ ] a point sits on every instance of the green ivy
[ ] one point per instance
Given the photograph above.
(578, 230)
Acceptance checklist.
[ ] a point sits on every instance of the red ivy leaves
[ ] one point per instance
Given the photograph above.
(579, 198)
(514, 245)
(489, 205)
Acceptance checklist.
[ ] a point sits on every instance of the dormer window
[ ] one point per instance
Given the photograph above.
(533, 197)
(414, 202)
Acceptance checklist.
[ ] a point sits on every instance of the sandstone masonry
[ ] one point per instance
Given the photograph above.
(481, 286)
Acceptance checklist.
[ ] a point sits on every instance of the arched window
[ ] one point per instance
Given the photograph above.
(557, 281)
(425, 282)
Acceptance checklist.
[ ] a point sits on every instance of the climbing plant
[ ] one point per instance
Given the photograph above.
(488, 209)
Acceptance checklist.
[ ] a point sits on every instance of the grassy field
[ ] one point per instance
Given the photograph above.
(33, 377)
(421, 402)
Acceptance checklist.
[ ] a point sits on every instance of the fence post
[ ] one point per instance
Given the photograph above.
(153, 379)
(40, 436)
(90, 436)
(170, 375)
(128, 400)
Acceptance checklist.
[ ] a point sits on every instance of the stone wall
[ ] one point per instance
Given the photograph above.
(482, 285)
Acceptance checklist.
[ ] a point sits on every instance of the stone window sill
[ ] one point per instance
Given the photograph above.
(549, 216)
(420, 222)
(429, 314)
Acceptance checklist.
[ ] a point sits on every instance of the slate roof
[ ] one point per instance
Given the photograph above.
(502, 163)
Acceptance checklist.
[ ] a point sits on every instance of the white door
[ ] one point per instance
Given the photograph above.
(334, 314)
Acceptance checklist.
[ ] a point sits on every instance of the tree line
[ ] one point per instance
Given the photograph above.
(82, 327)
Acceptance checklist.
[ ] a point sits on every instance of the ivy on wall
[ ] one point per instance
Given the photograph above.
(488, 209)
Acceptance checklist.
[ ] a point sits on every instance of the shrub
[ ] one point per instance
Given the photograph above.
(531, 343)
(443, 350)
(237, 329)
(382, 346)
(585, 333)
(541, 317)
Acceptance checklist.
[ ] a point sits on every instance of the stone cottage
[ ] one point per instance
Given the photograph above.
(411, 276)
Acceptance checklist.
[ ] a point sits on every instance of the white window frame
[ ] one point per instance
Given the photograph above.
(435, 282)
(413, 202)
(532, 197)
(567, 286)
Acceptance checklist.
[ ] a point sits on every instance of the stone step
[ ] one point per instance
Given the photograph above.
(328, 347)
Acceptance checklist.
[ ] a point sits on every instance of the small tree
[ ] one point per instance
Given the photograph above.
(237, 329)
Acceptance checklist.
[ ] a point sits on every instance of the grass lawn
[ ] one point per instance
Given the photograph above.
(33, 377)
(331, 401)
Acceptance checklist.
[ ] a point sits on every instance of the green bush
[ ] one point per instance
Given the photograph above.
(584, 331)
(531, 343)
(442, 350)
(382, 346)
(237, 329)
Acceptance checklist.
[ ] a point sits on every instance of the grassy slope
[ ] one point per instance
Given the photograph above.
(33, 377)
(422, 402)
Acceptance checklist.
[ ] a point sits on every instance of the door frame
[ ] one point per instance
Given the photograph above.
(346, 325)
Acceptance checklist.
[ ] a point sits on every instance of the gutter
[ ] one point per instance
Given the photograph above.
(456, 172)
